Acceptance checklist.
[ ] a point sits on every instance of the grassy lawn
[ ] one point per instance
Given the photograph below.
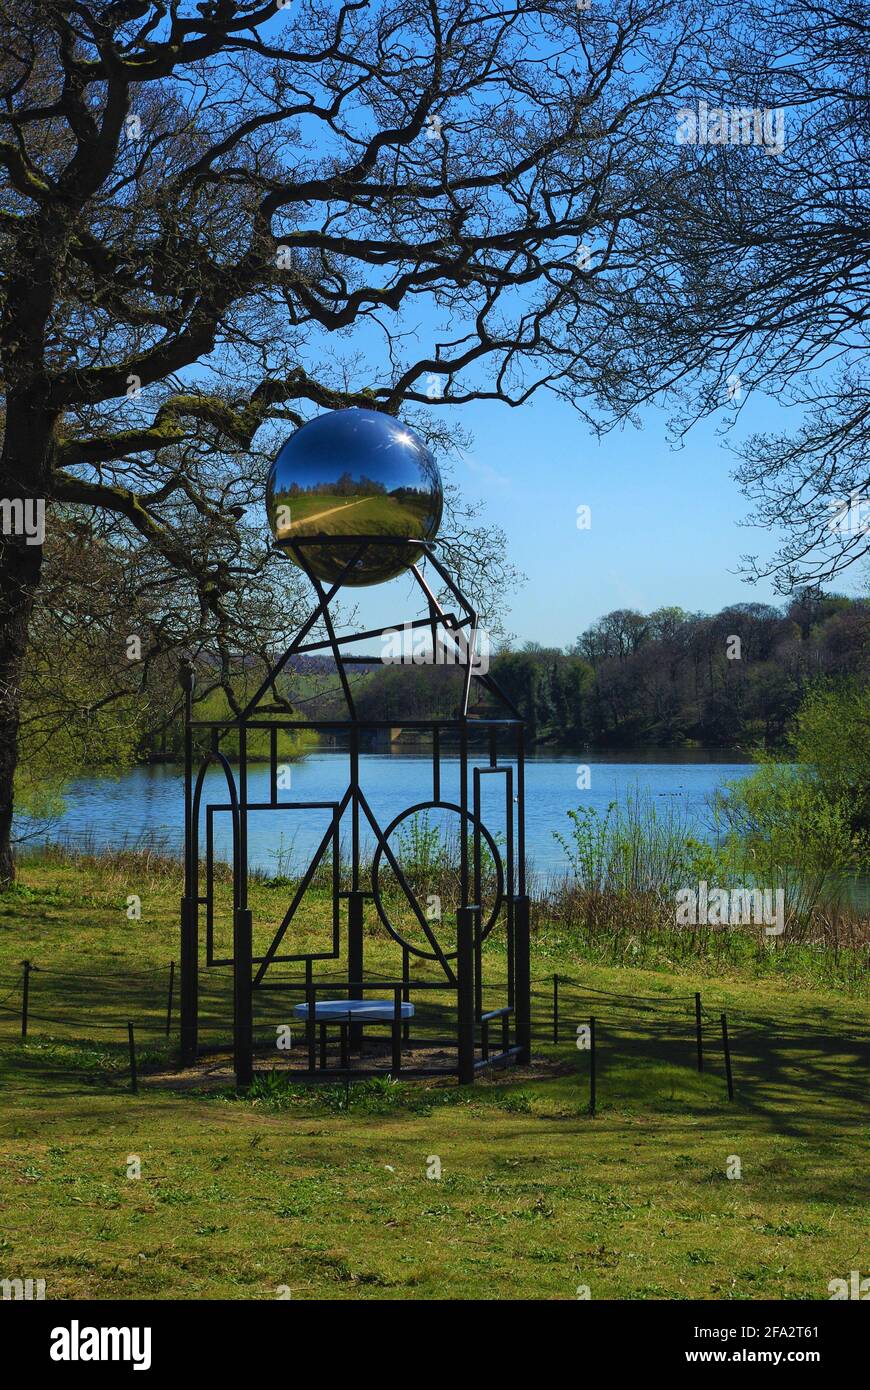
(294, 1191)
(341, 515)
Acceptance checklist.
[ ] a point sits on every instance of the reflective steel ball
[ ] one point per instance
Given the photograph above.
(354, 474)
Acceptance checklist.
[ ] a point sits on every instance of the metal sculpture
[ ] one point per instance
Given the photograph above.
(383, 524)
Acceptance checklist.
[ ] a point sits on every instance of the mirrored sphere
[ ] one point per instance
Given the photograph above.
(354, 474)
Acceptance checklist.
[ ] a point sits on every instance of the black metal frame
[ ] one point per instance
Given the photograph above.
(250, 973)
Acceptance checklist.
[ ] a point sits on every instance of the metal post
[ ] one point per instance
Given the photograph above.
(355, 964)
(346, 1031)
(189, 944)
(354, 810)
(699, 1039)
(477, 892)
(310, 1028)
(134, 1080)
(406, 991)
(510, 884)
(521, 814)
(242, 997)
(464, 929)
(25, 997)
(355, 902)
(397, 1031)
(592, 1066)
(523, 992)
(465, 993)
(555, 1008)
(727, 1051)
(169, 1000)
(189, 983)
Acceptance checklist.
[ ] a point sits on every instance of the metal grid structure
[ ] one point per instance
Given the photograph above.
(482, 1037)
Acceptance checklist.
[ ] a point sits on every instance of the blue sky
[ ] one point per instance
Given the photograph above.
(665, 522)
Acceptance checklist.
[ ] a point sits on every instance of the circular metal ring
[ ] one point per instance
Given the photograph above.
(376, 866)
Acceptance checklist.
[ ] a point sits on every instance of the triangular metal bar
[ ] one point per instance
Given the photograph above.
(403, 884)
(330, 630)
(472, 638)
(451, 622)
(494, 688)
(301, 890)
(293, 649)
(486, 679)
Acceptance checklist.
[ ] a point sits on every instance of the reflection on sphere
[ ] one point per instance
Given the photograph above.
(355, 473)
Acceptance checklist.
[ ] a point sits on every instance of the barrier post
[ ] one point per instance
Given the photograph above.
(243, 1022)
(134, 1080)
(465, 993)
(727, 1050)
(169, 1000)
(522, 991)
(397, 1031)
(25, 997)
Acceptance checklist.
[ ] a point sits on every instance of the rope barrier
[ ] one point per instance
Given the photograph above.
(612, 994)
(103, 975)
(64, 1022)
(589, 998)
(627, 1008)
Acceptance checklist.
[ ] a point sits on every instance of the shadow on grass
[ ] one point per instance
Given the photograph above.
(792, 1077)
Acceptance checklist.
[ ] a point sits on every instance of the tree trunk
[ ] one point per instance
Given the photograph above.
(24, 471)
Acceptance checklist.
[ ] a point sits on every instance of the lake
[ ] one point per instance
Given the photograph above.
(148, 802)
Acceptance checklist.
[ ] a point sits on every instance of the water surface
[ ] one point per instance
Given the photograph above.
(148, 802)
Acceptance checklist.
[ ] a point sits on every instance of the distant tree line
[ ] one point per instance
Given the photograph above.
(344, 486)
(669, 677)
(673, 677)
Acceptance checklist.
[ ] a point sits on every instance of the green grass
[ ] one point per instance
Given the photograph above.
(377, 515)
(293, 1189)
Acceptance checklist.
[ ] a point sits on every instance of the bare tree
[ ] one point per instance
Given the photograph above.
(762, 285)
(113, 618)
(236, 187)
